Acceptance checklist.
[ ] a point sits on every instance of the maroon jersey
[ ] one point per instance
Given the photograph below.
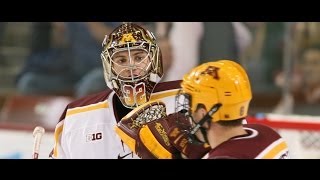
(261, 142)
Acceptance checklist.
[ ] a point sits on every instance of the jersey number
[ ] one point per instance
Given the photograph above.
(135, 95)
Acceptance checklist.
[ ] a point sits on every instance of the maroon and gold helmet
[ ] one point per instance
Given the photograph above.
(132, 63)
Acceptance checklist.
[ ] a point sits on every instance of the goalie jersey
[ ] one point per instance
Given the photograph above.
(261, 142)
(86, 127)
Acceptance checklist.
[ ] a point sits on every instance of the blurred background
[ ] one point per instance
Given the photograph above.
(45, 65)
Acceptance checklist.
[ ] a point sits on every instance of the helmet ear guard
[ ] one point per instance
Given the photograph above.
(154, 78)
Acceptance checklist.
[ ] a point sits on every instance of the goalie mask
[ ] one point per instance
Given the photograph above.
(132, 63)
(221, 87)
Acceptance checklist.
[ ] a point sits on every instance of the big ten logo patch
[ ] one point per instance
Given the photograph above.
(94, 136)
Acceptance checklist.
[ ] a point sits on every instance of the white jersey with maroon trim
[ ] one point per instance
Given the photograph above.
(86, 128)
(261, 142)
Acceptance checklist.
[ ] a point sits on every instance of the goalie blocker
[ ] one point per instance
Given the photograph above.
(151, 134)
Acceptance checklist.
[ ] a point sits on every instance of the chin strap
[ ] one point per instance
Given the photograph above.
(206, 118)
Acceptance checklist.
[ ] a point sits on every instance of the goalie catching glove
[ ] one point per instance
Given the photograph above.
(151, 134)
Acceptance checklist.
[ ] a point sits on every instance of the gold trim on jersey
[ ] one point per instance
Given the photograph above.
(164, 94)
(87, 108)
(57, 133)
(275, 150)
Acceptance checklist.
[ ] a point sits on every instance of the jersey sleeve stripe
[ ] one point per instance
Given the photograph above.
(57, 134)
(87, 108)
(273, 150)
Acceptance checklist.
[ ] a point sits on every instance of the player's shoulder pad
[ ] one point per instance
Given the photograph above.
(90, 99)
(87, 100)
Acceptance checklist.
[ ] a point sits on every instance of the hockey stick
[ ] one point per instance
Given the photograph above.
(37, 134)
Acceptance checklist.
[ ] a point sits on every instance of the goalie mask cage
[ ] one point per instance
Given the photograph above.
(301, 132)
